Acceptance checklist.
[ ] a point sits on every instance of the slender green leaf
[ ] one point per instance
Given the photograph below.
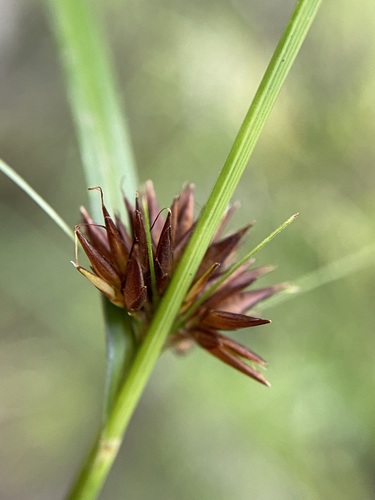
(17, 179)
(324, 275)
(103, 137)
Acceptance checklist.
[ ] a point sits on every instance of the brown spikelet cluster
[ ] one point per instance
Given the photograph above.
(122, 271)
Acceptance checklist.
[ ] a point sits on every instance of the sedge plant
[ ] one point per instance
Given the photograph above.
(162, 286)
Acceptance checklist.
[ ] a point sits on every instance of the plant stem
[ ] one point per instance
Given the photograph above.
(94, 474)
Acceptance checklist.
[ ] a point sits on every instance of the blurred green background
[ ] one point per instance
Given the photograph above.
(187, 73)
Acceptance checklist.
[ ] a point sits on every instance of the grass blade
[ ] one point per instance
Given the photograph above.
(102, 134)
(324, 275)
(21, 183)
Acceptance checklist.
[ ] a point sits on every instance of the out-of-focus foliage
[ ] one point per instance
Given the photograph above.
(188, 71)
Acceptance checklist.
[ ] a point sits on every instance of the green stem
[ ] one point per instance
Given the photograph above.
(121, 348)
(93, 476)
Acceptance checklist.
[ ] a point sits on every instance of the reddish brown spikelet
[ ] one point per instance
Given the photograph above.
(231, 353)
(224, 320)
(118, 249)
(97, 234)
(154, 211)
(164, 256)
(135, 291)
(100, 264)
(121, 270)
(221, 250)
(183, 212)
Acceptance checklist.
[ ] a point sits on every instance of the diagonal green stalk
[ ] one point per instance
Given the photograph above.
(93, 475)
(244, 144)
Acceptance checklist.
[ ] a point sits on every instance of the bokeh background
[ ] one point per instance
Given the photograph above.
(187, 73)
